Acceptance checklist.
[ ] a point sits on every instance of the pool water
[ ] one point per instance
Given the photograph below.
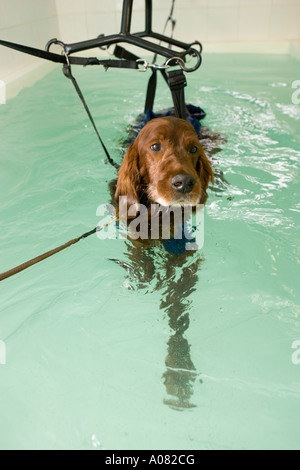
(201, 357)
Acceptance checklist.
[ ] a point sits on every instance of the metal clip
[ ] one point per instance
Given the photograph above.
(177, 61)
(144, 63)
(59, 43)
(147, 66)
(171, 63)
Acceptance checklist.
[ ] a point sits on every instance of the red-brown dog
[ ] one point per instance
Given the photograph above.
(165, 165)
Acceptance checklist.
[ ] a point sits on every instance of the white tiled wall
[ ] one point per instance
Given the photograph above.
(31, 22)
(207, 20)
(239, 20)
(219, 24)
(210, 21)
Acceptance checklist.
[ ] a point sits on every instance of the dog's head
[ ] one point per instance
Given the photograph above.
(167, 164)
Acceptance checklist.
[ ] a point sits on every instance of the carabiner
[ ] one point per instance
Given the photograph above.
(147, 66)
(178, 61)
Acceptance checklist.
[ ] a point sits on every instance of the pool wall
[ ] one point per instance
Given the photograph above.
(267, 26)
(30, 22)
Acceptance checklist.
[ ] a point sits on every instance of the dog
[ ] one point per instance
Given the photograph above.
(166, 164)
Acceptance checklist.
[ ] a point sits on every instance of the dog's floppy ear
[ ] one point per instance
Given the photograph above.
(205, 172)
(129, 177)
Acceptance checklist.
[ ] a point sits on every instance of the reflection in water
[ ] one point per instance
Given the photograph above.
(181, 373)
(175, 276)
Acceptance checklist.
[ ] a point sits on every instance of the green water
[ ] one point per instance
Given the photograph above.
(200, 358)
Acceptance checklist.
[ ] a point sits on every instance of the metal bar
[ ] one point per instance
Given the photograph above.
(126, 17)
(148, 20)
(136, 39)
(163, 38)
(118, 38)
(93, 43)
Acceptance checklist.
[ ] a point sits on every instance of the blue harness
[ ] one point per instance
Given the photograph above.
(195, 115)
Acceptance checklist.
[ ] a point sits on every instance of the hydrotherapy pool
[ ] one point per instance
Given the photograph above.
(97, 360)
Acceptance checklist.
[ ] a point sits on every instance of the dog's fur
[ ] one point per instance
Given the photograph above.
(165, 147)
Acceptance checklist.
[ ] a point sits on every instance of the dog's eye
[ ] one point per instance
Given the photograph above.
(193, 149)
(156, 147)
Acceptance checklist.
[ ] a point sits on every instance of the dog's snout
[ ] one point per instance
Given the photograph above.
(183, 183)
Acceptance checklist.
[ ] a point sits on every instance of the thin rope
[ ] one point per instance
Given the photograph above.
(40, 258)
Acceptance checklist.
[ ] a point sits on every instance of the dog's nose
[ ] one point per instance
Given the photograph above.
(183, 183)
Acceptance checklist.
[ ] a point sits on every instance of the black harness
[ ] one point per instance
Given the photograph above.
(175, 79)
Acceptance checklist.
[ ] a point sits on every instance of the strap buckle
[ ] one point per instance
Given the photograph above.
(171, 63)
(146, 65)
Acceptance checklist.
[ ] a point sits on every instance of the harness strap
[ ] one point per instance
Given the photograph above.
(122, 53)
(177, 82)
(151, 91)
(73, 60)
(68, 73)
